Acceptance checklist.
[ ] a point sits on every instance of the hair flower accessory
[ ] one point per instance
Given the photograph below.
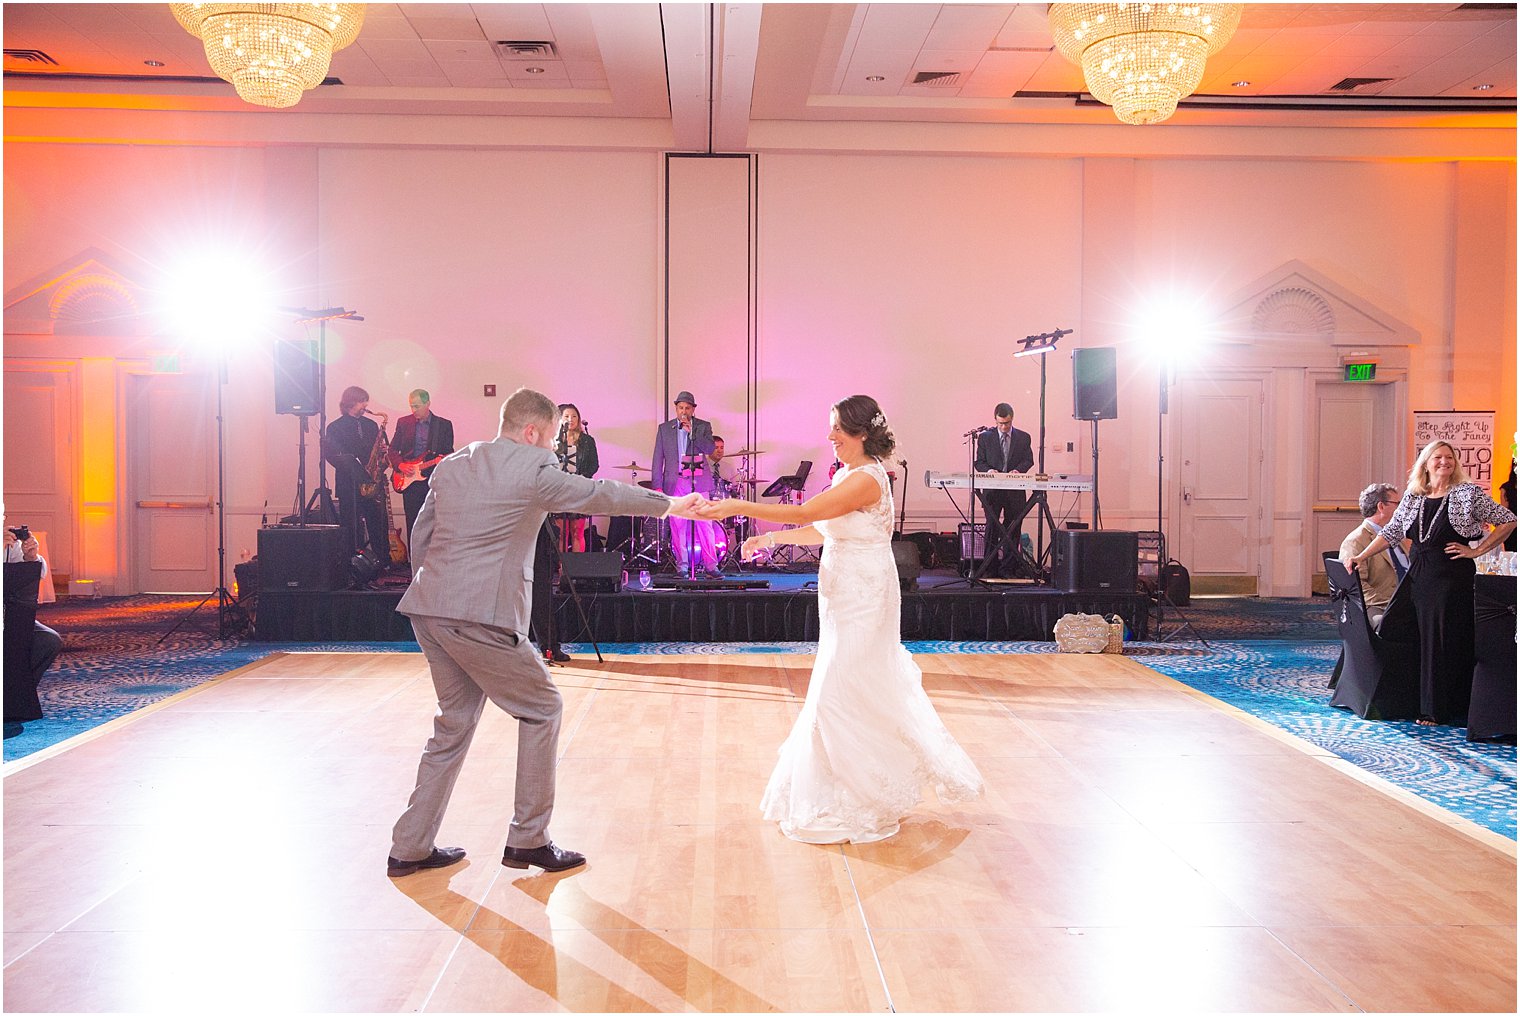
(878, 420)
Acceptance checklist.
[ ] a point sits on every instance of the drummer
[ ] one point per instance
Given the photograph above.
(716, 458)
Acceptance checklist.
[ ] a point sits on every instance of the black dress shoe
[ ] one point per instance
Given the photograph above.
(548, 857)
(441, 857)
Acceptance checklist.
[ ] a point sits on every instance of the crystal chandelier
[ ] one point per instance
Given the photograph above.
(271, 53)
(1142, 58)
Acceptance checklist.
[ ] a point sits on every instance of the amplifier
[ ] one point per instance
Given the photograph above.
(303, 558)
(1096, 560)
(592, 572)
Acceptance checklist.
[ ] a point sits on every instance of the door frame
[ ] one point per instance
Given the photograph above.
(69, 513)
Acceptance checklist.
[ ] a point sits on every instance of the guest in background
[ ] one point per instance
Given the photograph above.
(422, 440)
(576, 450)
(21, 704)
(348, 445)
(1003, 449)
(1382, 572)
(1441, 511)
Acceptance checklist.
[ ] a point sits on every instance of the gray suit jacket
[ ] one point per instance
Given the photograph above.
(666, 466)
(472, 546)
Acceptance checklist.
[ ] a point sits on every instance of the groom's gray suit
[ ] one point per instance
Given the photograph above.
(472, 560)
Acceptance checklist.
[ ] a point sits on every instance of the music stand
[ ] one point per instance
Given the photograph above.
(789, 490)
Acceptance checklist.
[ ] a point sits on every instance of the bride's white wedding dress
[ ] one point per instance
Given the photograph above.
(867, 739)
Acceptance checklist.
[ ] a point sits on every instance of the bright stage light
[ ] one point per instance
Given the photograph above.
(1173, 326)
(219, 300)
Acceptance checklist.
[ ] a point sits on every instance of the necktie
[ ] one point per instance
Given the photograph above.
(1005, 452)
(1398, 565)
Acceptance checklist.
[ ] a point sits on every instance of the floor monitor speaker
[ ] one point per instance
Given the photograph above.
(592, 572)
(304, 558)
(1096, 560)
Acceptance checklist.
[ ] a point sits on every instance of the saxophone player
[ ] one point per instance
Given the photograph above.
(349, 446)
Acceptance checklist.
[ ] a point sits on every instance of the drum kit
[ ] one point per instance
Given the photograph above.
(651, 537)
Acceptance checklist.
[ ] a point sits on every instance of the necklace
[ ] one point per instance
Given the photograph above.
(1423, 529)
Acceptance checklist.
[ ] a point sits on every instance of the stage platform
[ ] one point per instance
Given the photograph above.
(943, 607)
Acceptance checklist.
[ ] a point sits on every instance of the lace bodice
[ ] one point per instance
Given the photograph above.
(871, 524)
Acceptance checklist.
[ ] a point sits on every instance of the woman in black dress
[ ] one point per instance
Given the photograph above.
(1441, 512)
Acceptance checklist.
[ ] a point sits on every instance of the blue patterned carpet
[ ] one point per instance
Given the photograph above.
(1263, 658)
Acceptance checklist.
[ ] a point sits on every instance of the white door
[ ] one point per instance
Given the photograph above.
(39, 455)
(171, 482)
(1219, 479)
(1353, 447)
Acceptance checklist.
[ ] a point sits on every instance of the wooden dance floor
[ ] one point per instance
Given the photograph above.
(1139, 847)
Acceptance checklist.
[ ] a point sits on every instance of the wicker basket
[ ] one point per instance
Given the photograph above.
(1115, 635)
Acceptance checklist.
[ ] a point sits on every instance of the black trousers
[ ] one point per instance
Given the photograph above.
(1003, 508)
(411, 501)
(354, 510)
(544, 632)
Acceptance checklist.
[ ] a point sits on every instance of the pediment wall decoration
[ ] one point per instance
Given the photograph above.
(1296, 303)
(89, 294)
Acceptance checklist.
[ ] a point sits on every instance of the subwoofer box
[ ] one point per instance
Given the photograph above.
(1096, 560)
(304, 558)
(592, 572)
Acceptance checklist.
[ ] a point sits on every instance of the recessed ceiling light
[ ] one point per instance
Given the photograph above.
(1482, 88)
(1240, 84)
(534, 70)
(154, 63)
(875, 77)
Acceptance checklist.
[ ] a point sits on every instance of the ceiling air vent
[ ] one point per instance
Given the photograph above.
(1352, 84)
(30, 56)
(939, 79)
(527, 50)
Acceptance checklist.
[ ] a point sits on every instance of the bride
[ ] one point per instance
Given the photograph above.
(867, 739)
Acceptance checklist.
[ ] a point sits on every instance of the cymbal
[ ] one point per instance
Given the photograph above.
(743, 451)
(633, 467)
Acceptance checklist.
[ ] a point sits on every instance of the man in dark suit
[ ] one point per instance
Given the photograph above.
(469, 605)
(347, 445)
(422, 439)
(1003, 449)
(681, 466)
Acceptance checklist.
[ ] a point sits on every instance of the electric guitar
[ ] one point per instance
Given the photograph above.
(409, 471)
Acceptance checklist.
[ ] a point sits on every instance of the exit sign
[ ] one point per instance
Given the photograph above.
(1361, 371)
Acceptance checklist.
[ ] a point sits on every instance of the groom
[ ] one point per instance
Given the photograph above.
(472, 554)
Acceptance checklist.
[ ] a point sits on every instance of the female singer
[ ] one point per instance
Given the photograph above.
(577, 454)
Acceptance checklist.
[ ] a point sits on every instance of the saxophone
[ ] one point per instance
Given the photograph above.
(375, 468)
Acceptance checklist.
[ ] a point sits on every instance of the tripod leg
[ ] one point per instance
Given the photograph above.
(585, 621)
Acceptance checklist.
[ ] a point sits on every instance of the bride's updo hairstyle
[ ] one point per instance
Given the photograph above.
(859, 415)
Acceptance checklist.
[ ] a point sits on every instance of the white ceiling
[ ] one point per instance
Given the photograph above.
(714, 71)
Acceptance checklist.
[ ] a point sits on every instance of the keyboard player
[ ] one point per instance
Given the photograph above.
(1003, 449)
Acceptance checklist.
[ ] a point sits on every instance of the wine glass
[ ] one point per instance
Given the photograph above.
(644, 579)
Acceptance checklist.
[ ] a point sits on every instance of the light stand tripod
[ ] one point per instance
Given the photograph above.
(231, 617)
(1162, 600)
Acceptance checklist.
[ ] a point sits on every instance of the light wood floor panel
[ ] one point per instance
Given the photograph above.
(1138, 847)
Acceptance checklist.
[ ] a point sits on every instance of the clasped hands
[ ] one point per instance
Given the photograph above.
(695, 506)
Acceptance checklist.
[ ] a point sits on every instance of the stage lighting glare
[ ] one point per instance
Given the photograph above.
(1173, 328)
(220, 300)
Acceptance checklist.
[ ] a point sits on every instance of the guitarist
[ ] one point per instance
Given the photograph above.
(422, 440)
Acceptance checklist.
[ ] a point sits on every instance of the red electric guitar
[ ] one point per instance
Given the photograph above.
(409, 471)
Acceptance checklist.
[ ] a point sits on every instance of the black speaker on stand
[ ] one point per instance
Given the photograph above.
(1094, 397)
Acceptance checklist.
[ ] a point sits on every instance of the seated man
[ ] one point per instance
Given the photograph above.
(46, 642)
(1380, 574)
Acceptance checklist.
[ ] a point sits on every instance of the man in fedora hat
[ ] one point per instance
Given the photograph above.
(680, 466)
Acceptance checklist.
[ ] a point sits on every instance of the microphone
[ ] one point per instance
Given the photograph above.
(976, 431)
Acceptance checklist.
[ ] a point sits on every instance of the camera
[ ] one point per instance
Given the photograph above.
(22, 533)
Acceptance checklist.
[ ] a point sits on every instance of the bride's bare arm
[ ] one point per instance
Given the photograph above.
(856, 492)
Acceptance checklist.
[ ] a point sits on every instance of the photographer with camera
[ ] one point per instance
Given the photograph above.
(21, 545)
